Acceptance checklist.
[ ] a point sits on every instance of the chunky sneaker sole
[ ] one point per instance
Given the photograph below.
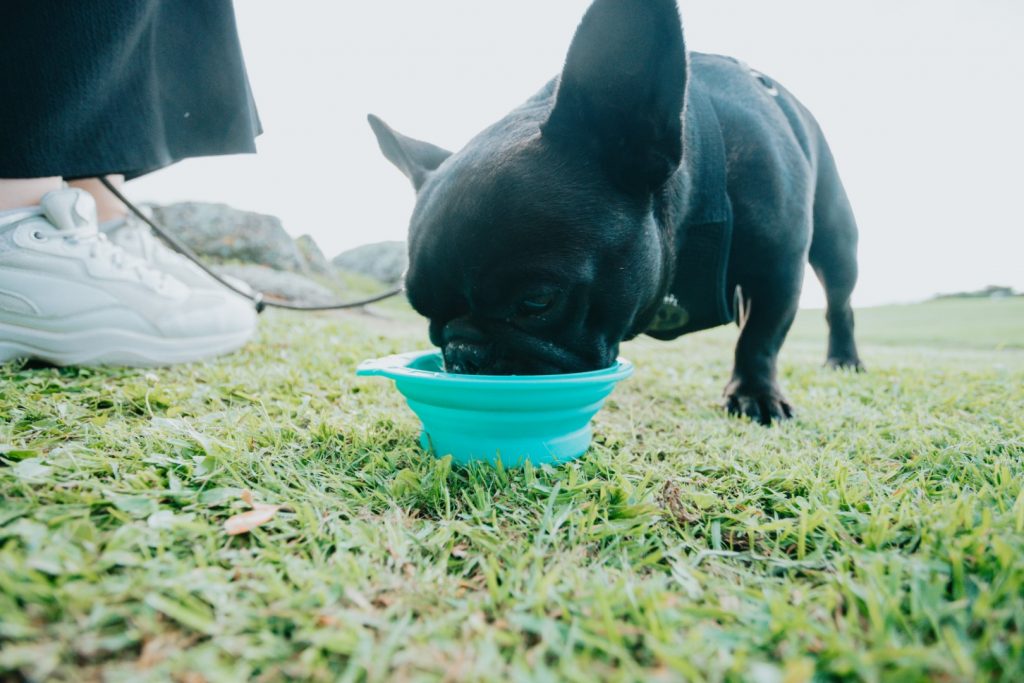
(112, 347)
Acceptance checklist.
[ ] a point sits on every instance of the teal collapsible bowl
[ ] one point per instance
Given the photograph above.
(512, 418)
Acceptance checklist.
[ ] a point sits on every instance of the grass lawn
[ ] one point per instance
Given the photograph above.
(879, 536)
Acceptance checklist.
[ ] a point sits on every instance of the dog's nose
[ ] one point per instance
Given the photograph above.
(467, 349)
(466, 358)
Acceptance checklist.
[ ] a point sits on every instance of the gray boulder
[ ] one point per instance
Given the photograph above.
(314, 258)
(281, 285)
(383, 261)
(221, 232)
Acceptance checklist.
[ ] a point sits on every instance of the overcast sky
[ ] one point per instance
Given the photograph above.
(920, 99)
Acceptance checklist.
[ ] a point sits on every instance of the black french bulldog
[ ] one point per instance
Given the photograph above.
(645, 190)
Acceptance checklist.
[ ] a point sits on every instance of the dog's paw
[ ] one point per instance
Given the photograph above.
(851, 363)
(763, 407)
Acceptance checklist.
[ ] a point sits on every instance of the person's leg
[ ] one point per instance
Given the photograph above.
(108, 207)
(17, 193)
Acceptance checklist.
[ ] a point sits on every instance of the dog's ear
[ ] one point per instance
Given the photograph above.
(415, 158)
(620, 96)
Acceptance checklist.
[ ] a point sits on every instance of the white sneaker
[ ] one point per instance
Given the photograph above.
(135, 237)
(68, 296)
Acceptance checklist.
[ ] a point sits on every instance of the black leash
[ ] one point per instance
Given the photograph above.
(257, 298)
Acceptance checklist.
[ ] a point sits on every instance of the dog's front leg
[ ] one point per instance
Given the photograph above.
(765, 312)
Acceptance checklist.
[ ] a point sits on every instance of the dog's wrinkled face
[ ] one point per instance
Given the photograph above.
(535, 249)
(520, 274)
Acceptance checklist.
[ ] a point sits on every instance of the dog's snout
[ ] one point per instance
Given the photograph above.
(467, 348)
(466, 358)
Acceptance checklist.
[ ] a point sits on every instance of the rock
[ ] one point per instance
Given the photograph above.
(279, 284)
(314, 258)
(384, 261)
(221, 232)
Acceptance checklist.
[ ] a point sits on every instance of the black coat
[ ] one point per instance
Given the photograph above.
(93, 87)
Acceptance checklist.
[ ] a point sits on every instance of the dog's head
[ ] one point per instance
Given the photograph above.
(537, 248)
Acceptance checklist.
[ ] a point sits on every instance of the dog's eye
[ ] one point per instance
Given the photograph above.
(536, 304)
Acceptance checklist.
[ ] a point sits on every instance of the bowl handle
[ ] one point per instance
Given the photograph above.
(389, 366)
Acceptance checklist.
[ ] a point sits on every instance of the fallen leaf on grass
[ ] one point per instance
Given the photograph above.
(327, 620)
(672, 497)
(244, 522)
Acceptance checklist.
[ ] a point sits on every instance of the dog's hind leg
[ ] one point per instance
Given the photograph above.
(833, 257)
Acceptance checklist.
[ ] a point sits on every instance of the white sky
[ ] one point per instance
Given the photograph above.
(920, 99)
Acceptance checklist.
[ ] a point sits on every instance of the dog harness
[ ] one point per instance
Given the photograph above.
(703, 239)
(698, 298)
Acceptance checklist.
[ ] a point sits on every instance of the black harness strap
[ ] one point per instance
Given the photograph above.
(704, 239)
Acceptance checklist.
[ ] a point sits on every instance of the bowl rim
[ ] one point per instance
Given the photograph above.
(397, 367)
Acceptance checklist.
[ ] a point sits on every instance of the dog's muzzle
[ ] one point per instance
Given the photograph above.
(466, 348)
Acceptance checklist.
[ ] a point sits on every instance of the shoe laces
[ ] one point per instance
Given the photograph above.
(102, 249)
(151, 249)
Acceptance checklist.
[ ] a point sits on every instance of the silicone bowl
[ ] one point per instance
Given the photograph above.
(486, 418)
